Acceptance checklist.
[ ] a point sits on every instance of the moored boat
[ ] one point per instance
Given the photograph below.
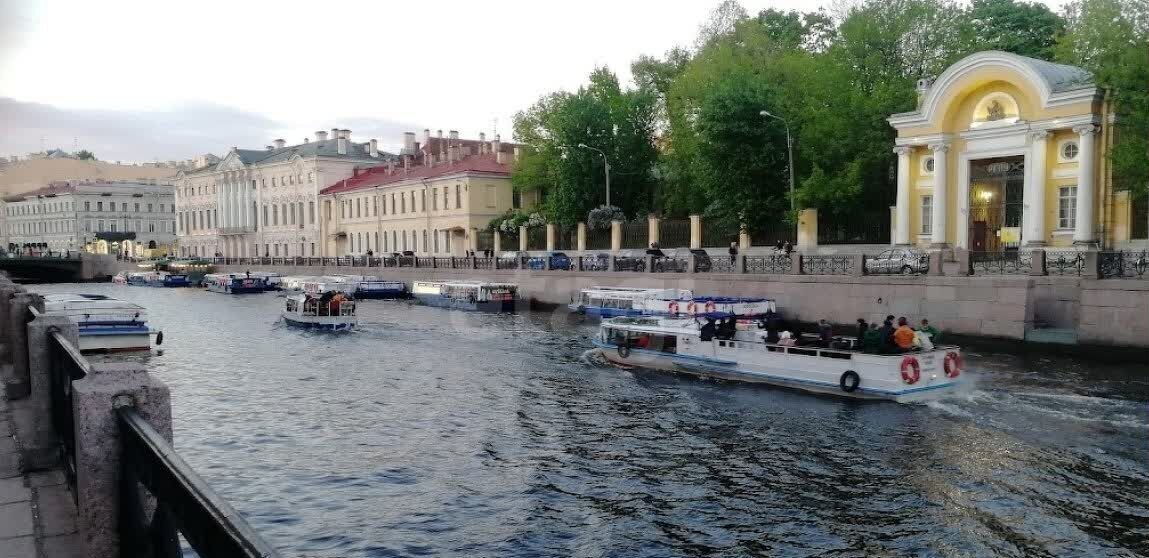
(105, 323)
(740, 307)
(467, 295)
(120, 278)
(136, 278)
(272, 281)
(325, 285)
(381, 289)
(681, 345)
(165, 279)
(608, 302)
(235, 283)
(330, 311)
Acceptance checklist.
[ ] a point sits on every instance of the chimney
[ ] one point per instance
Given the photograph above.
(320, 136)
(354, 172)
(408, 142)
(482, 143)
(279, 143)
(406, 163)
(335, 133)
(497, 147)
(341, 146)
(374, 148)
(442, 147)
(345, 134)
(426, 136)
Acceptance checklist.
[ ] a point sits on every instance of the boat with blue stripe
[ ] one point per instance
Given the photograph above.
(467, 295)
(331, 311)
(235, 283)
(167, 280)
(712, 346)
(610, 302)
(105, 324)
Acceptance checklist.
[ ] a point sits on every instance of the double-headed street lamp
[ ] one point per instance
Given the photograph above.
(789, 151)
(606, 164)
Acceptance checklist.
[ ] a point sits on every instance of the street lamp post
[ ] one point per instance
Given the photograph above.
(606, 164)
(789, 152)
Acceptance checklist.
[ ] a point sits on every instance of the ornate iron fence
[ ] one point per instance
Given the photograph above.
(826, 265)
(594, 263)
(1009, 262)
(537, 238)
(671, 264)
(598, 239)
(774, 263)
(636, 234)
(509, 242)
(716, 233)
(1064, 262)
(674, 234)
(506, 263)
(866, 227)
(485, 240)
(566, 238)
(720, 264)
(446, 263)
(630, 264)
(1122, 264)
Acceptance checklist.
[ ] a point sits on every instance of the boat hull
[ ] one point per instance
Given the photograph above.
(236, 290)
(794, 378)
(382, 295)
(603, 313)
(115, 339)
(322, 323)
(475, 306)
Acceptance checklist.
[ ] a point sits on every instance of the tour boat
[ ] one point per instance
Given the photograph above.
(295, 283)
(105, 323)
(381, 289)
(235, 283)
(304, 310)
(677, 345)
(135, 278)
(608, 302)
(739, 307)
(325, 285)
(165, 279)
(272, 281)
(467, 295)
(120, 278)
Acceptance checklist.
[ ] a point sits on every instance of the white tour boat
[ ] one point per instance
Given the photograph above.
(467, 295)
(105, 323)
(678, 345)
(608, 302)
(331, 311)
(740, 307)
(235, 283)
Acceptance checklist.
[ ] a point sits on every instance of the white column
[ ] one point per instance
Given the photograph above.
(1034, 207)
(1084, 233)
(902, 222)
(941, 195)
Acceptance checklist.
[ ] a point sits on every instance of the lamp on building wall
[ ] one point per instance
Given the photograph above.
(986, 195)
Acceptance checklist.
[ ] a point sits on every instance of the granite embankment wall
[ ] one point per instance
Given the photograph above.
(1101, 312)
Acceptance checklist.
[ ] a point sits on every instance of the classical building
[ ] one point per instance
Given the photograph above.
(1006, 151)
(131, 217)
(263, 202)
(434, 200)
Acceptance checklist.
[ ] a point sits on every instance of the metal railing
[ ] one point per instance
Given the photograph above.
(722, 264)
(537, 238)
(671, 265)
(827, 265)
(635, 234)
(774, 263)
(593, 263)
(1122, 264)
(674, 234)
(484, 263)
(598, 239)
(1008, 262)
(1064, 262)
(184, 503)
(623, 263)
(506, 263)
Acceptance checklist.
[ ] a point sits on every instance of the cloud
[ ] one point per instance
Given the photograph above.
(178, 133)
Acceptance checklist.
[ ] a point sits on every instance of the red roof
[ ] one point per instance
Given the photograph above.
(380, 176)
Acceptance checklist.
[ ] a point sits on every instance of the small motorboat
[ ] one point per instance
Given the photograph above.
(467, 295)
(686, 346)
(235, 283)
(106, 324)
(332, 311)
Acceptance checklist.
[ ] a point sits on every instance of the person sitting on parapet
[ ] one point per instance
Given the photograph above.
(904, 336)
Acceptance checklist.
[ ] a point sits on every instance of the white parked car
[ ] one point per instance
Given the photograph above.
(906, 261)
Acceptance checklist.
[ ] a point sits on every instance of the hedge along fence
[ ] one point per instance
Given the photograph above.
(674, 233)
(635, 234)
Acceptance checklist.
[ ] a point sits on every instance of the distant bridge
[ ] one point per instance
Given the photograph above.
(83, 267)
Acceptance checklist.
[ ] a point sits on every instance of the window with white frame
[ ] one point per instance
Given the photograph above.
(1067, 207)
(927, 214)
(1068, 151)
(928, 165)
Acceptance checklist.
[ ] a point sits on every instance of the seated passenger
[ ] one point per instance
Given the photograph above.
(929, 330)
(872, 340)
(708, 330)
(904, 336)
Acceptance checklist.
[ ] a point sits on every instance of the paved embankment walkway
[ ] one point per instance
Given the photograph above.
(37, 511)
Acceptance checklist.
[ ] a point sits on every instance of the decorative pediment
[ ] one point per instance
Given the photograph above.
(231, 162)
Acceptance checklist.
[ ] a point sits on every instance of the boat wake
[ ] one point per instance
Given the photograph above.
(1109, 412)
(594, 358)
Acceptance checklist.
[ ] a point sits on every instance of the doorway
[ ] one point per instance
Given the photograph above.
(995, 204)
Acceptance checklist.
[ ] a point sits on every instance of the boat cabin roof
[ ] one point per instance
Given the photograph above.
(88, 301)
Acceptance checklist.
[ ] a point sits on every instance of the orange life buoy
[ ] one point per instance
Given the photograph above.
(952, 364)
(691, 308)
(911, 370)
(673, 308)
(710, 306)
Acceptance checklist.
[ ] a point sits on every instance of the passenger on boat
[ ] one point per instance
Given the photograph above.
(708, 330)
(862, 329)
(872, 339)
(786, 339)
(825, 333)
(929, 330)
(727, 328)
(887, 333)
(778, 245)
(904, 336)
(335, 302)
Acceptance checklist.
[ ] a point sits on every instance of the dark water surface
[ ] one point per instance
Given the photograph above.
(436, 432)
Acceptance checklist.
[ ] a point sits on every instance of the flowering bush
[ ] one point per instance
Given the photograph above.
(536, 220)
(601, 216)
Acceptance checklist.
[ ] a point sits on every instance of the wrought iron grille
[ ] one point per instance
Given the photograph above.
(424, 262)
(1139, 224)
(486, 240)
(629, 264)
(674, 234)
(826, 265)
(537, 238)
(1123, 264)
(447, 263)
(721, 264)
(484, 263)
(506, 263)
(509, 242)
(566, 238)
(671, 265)
(1008, 262)
(598, 239)
(717, 233)
(774, 263)
(635, 234)
(594, 263)
(1064, 262)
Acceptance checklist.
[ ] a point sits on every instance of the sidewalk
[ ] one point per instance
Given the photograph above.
(37, 511)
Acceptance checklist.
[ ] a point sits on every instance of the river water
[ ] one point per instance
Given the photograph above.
(437, 432)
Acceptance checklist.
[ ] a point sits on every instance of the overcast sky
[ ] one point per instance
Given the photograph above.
(144, 79)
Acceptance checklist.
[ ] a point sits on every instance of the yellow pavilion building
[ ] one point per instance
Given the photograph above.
(1006, 151)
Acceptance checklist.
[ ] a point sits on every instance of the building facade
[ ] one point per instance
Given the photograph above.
(264, 202)
(137, 219)
(1005, 152)
(433, 201)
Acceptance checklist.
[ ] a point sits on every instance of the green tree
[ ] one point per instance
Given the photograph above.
(1028, 29)
(85, 155)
